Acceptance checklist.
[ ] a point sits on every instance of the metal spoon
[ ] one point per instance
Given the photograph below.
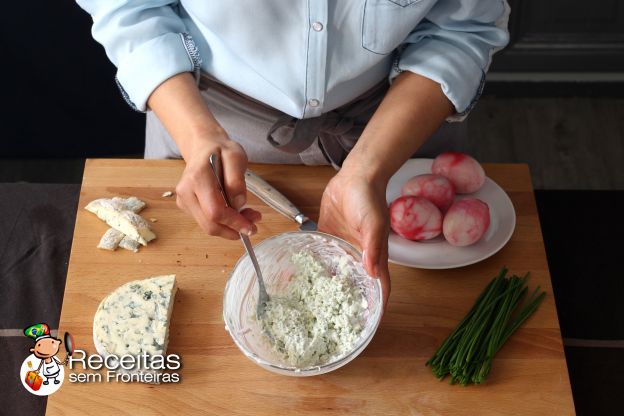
(263, 296)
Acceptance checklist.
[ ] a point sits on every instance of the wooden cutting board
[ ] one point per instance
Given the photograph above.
(529, 375)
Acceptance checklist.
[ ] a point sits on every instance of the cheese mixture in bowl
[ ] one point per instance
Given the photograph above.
(324, 308)
(318, 317)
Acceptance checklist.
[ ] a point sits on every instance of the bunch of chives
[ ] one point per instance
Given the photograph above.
(467, 354)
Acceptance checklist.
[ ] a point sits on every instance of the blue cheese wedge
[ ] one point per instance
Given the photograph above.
(134, 318)
(114, 213)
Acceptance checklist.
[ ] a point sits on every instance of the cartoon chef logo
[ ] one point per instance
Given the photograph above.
(42, 373)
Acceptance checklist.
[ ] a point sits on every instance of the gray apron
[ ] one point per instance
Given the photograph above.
(270, 136)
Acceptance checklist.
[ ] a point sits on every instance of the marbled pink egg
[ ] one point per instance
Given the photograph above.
(466, 222)
(415, 218)
(435, 188)
(462, 170)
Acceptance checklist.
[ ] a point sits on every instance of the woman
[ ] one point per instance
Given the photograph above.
(299, 82)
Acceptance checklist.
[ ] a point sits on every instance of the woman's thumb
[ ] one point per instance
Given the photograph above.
(375, 254)
(372, 243)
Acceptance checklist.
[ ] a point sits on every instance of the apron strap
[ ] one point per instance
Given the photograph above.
(292, 135)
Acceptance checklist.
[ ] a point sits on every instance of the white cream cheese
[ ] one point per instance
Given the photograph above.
(318, 316)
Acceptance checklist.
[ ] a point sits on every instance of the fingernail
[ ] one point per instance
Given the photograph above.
(247, 231)
(239, 201)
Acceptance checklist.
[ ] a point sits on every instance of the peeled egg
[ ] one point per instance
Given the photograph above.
(435, 188)
(463, 171)
(415, 218)
(466, 222)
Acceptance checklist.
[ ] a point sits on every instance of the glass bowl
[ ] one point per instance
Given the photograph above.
(241, 294)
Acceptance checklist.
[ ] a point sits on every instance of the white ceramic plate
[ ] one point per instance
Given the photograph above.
(437, 253)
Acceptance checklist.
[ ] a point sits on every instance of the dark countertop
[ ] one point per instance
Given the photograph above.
(37, 223)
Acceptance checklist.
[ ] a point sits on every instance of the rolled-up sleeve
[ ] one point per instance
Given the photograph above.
(454, 45)
(147, 42)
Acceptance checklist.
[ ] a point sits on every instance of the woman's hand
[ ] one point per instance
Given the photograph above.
(198, 192)
(354, 208)
(354, 203)
(181, 109)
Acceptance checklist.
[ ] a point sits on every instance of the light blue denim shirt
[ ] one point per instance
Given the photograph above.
(304, 58)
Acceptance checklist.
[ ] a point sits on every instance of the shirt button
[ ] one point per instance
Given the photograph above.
(314, 102)
(317, 26)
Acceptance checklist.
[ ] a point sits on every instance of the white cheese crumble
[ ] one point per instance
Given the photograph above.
(318, 317)
(121, 214)
(129, 244)
(110, 240)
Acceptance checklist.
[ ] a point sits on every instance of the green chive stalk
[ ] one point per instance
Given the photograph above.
(466, 355)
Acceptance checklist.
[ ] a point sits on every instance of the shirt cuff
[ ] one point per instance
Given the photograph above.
(460, 78)
(141, 71)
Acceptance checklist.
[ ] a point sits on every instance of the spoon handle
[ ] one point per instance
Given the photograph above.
(215, 164)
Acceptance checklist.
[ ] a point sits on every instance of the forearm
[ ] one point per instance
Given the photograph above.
(412, 110)
(180, 107)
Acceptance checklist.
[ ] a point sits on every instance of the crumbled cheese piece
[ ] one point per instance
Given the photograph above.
(113, 212)
(318, 317)
(153, 219)
(110, 240)
(116, 203)
(131, 203)
(132, 225)
(167, 194)
(129, 244)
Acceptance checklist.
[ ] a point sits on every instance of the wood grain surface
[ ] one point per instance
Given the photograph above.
(529, 375)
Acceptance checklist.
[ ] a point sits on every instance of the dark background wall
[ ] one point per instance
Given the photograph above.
(564, 36)
(59, 95)
(60, 99)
